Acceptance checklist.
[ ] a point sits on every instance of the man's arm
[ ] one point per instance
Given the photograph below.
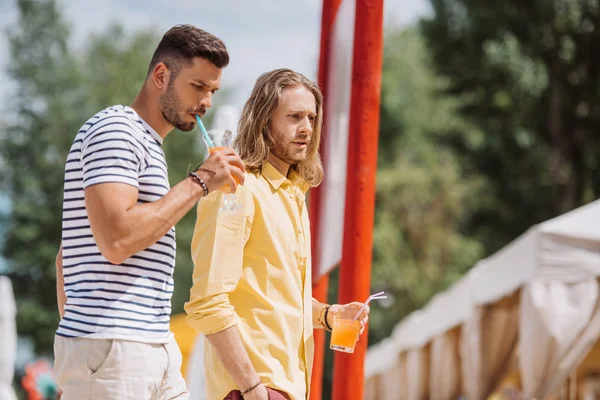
(234, 357)
(61, 297)
(122, 228)
(318, 314)
(217, 252)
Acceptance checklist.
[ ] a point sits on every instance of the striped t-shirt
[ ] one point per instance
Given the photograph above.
(132, 300)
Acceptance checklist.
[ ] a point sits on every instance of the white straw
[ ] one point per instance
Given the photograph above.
(375, 296)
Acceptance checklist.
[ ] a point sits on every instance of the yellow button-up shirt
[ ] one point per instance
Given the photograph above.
(252, 268)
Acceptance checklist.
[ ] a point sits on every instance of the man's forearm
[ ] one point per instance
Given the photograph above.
(322, 318)
(318, 312)
(234, 357)
(149, 222)
(143, 225)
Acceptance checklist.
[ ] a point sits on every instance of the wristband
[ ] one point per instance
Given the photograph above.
(251, 388)
(197, 178)
(328, 327)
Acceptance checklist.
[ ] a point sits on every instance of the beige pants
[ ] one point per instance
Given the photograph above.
(105, 369)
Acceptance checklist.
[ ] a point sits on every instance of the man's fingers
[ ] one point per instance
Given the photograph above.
(230, 156)
(232, 185)
(236, 161)
(238, 175)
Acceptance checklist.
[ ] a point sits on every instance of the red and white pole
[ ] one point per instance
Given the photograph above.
(355, 272)
(320, 285)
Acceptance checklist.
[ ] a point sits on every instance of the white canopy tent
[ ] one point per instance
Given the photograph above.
(538, 297)
(8, 339)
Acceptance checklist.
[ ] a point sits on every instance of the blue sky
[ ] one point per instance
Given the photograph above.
(260, 34)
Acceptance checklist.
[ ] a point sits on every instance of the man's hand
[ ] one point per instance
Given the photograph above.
(223, 168)
(260, 393)
(230, 348)
(355, 307)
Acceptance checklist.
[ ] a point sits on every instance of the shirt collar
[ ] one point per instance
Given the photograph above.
(148, 128)
(276, 178)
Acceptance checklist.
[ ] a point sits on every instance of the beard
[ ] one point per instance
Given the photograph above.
(172, 110)
(286, 150)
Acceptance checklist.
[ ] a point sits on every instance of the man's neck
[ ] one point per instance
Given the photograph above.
(279, 165)
(150, 112)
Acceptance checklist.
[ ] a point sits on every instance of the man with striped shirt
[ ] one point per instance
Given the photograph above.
(115, 268)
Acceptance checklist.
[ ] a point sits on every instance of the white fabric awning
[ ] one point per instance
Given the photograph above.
(565, 249)
(382, 358)
(457, 298)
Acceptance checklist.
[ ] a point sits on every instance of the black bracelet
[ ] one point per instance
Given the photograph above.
(197, 178)
(325, 318)
(252, 388)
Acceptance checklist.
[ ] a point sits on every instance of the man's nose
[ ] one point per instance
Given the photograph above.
(306, 126)
(206, 101)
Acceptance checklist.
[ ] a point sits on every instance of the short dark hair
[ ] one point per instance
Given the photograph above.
(182, 43)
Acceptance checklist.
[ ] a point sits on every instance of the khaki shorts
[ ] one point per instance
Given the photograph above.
(106, 369)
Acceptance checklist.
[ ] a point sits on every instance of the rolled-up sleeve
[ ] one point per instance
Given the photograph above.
(217, 251)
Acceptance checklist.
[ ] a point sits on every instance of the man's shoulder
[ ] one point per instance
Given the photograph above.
(255, 182)
(118, 120)
(114, 116)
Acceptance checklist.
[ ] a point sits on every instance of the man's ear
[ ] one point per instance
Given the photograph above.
(160, 75)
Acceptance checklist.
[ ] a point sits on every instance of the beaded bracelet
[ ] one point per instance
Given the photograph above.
(197, 178)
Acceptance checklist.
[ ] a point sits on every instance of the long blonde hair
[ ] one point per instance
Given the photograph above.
(254, 140)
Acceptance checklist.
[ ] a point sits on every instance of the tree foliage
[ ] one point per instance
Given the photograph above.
(58, 87)
(526, 74)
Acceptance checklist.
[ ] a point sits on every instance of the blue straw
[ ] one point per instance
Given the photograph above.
(204, 133)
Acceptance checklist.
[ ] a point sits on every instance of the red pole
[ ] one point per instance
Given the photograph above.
(320, 285)
(320, 289)
(355, 273)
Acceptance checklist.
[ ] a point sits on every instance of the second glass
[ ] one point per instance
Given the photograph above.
(345, 331)
(221, 139)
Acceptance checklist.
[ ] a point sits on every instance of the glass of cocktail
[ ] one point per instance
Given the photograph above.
(220, 139)
(345, 332)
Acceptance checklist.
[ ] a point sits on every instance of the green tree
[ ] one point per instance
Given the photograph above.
(422, 199)
(45, 112)
(57, 90)
(526, 74)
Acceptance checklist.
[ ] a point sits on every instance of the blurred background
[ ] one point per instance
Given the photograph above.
(490, 113)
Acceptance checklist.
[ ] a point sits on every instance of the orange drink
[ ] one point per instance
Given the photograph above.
(219, 148)
(215, 140)
(345, 332)
(216, 148)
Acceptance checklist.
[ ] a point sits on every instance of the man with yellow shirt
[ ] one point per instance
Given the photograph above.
(252, 294)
